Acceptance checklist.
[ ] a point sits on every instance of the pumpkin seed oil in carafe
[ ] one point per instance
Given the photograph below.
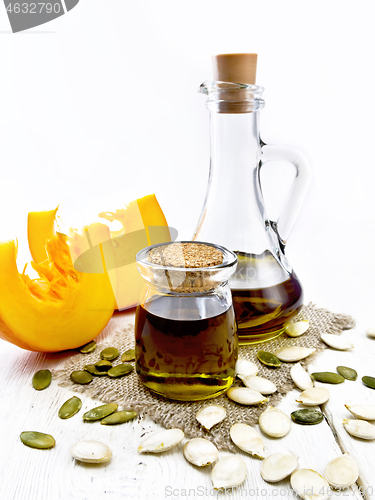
(263, 310)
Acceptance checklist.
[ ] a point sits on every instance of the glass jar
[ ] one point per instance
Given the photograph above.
(186, 342)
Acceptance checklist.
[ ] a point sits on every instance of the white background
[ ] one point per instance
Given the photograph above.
(105, 99)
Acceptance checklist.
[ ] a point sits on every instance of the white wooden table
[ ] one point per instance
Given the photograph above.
(29, 474)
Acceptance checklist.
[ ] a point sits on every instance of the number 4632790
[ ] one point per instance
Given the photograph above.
(34, 8)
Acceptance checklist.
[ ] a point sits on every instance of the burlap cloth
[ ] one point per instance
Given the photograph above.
(129, 393)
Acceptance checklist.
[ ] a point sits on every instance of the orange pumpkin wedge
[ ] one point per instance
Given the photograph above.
(62, 309)
(143, 223)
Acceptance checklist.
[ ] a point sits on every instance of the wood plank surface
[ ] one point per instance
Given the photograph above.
(53, 474)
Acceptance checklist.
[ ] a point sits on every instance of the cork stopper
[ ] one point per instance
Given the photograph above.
(236, 68)
(186, 255)
(189, 256)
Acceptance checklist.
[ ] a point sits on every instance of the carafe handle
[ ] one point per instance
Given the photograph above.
(297, 193)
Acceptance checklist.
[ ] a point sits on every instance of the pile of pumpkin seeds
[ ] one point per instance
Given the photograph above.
(103, 367)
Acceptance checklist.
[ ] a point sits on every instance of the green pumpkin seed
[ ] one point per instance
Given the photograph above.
(42, 379)
(90, 347)
(307, 416)
(328, 377)
(100, 412)
(94, 371)
(128, 355)
(369, 381)
(70, 408)
(119, 417)
(110, 353)
(81, 377)
(103, 365)
(347, 372)
(119, 371)
(37, 440)
(268, 359)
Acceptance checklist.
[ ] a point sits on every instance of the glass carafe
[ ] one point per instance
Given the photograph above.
(266, 292)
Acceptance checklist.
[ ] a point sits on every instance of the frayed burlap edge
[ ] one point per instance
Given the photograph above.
(129, 393)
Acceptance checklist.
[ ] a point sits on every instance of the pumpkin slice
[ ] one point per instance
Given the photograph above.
(39, 230)
(143, 224)
(62, 309)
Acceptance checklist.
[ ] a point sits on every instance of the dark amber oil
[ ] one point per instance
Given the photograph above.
(263, 313)
(181, 357)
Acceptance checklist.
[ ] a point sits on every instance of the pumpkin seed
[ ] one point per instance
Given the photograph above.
(228, 472)
(119, 417)
(200, 452)
(81, 377)
(336, 342)
(119, 371)
(274, 422)
(307, 416)
(268, 359)
(300, 377)
(246, 396)
(363, 412)
(341, 472)
(278, 466)
(210, 415)
(245, 368)
(369, 381)
(328, 377)
(247, 439)
(100, 412)
(42, 379)
(263, 385)
(359, 428)
(70, 408)
(90, 347)
(297, 329)
(37, 440)
(109, 353)
(93, 452)
(103, 366)
(371, 333)
(309, 485)
(161, 441)
(128, 355)
(347, 372)
(94, 371)
(293, 353)
(314, 397)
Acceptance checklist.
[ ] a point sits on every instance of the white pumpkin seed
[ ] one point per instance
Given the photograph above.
(363, 412)
(310, 485)
(208, 416)
(336, 342)
(228, 472)
(314, 397)
(359, 428)
(91, 451)
(371, 333)
(278, 466)
(247, 439)
(245, 368)
(260, 384)
(200, 452)
(300, 377)
(297, 329)
(274, 422)
(161, 441)
(342, 472)
(293, 353)
(246, 396)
